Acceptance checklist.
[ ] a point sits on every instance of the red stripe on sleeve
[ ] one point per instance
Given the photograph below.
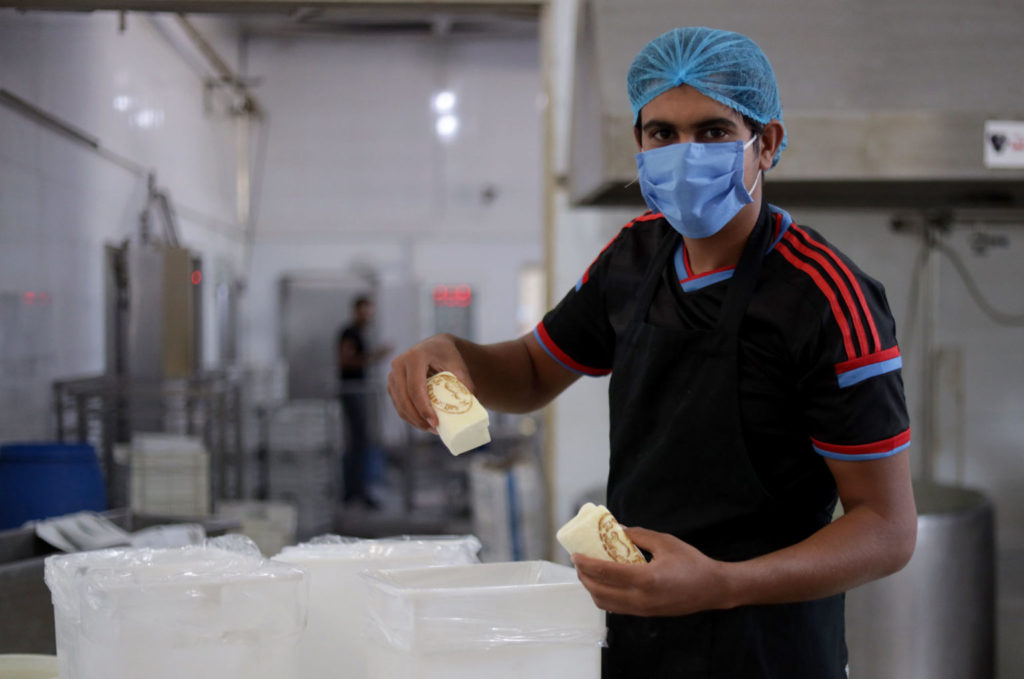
(844, 289)
(877, 357)
(806, 267)
(854, 285)
(883, 446)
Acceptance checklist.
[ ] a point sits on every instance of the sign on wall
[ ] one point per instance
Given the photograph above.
(1004, 144)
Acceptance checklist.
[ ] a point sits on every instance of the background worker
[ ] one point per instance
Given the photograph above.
(755, 379)
(354, 357)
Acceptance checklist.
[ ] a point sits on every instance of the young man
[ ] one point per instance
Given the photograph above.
(755, 378)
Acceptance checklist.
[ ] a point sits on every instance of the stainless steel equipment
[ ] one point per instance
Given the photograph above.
(936, 617)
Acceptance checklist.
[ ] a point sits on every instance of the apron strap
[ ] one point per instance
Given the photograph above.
(745, 276)
(662, 255)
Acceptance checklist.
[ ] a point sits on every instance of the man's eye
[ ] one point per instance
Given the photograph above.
(714, 134)
(661, 134)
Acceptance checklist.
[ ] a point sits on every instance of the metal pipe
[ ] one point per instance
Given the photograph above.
(220, 67)
(550, 191)
(67, 130)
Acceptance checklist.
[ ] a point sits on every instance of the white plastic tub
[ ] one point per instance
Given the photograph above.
(335, 636)
(172, 613)
(499, 621)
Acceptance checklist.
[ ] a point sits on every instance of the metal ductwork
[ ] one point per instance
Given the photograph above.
(885, 103)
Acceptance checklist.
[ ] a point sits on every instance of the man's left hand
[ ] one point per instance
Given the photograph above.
(678, 580)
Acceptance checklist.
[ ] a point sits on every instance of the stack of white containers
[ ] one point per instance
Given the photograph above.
(218, 610)
(498, 620)
(336, 633)
(303, 439)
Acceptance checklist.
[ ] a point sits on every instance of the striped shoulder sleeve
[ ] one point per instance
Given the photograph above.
(852, 387)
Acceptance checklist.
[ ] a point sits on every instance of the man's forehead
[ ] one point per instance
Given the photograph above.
(684, 103)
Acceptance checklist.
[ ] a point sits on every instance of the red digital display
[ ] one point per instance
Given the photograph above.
(453, 295)
(197, 277)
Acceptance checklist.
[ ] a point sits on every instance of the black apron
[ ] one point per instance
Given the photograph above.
(679, 465)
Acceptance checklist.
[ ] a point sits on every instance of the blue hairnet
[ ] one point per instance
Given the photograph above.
(728, 67)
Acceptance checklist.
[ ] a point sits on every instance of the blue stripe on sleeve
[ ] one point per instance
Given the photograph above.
(852, 377)
(860, 456)
(552, 354)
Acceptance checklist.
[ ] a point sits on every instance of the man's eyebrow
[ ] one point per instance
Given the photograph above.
(717, 122)
(699, 125)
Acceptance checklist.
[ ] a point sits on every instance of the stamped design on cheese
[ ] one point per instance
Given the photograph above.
(448, 394)
(614, 541)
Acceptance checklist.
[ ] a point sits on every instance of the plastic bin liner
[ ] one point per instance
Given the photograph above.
(217, 609)
(457, 608)
(450, 549)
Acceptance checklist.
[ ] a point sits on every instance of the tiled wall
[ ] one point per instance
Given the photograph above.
(61, 203)
(357, 175)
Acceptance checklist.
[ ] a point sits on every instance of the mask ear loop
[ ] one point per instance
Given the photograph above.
(750, 191)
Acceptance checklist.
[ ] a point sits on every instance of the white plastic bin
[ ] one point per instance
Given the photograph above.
(497, 620)
(336, 634)
(198, 611)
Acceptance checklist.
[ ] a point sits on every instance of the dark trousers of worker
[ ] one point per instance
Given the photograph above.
(355, 458)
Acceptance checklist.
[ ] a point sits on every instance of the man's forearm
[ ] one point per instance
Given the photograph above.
(856, 548)
(504, 376)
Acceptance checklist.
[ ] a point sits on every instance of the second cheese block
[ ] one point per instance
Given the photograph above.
(461, 421)
(594, 532)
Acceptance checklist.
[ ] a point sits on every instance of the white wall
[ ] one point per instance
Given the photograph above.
(357, 176)
(61, 203)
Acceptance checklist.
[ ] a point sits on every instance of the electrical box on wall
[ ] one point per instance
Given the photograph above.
(154, 320)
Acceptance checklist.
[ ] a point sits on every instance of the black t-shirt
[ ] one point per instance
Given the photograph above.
(819, 363)
(354, 334)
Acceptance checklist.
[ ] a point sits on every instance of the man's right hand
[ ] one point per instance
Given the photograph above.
(407, 382)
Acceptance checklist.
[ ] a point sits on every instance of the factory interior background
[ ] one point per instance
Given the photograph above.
(190, 202)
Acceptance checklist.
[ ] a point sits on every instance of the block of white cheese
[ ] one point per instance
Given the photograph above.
(594, 532)
(461, 421)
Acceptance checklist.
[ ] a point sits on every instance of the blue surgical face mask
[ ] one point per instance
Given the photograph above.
(698, 187)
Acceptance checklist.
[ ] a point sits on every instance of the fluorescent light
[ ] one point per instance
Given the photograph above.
(447, 126)
(444, 102)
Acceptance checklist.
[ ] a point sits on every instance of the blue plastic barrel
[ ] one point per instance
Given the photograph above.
(40, 480)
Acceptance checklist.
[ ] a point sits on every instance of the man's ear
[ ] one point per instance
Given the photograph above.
(771, 139)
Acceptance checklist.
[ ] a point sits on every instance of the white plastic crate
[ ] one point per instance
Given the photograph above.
(170, 476)
(508, 509)
(271, 525)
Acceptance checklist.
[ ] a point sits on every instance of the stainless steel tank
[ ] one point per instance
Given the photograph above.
(935, 619)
